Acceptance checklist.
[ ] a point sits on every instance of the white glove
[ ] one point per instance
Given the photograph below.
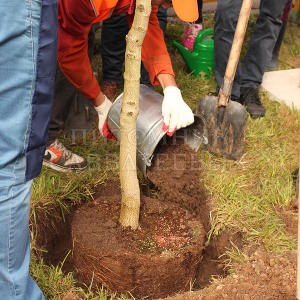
(176, 113)
(102, 111)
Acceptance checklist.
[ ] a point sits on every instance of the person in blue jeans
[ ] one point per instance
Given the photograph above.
(28, 43)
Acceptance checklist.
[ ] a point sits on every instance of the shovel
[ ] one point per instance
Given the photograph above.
(226, 120)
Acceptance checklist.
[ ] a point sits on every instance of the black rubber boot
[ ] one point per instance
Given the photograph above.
(250, 98)
(239, 100)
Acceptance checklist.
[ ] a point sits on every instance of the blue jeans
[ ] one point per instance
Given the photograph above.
(19, 32)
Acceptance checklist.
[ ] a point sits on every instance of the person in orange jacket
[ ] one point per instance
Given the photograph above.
(75, 18)
(74, 23)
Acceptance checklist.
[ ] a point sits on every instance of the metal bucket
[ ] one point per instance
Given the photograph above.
(149, 126)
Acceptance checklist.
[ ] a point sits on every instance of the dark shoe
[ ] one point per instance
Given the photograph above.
(109, 89)
(250, 98)
(233, 98)
(59, 158)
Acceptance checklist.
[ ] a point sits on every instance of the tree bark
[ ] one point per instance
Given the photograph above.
(130, 208)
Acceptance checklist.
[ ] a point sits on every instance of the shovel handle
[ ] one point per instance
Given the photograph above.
(239, 35)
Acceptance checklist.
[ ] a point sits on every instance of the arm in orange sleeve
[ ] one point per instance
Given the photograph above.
(74, 22)
(155, 55)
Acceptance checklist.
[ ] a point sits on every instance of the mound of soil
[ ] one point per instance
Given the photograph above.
(176, 172)
(158, 259)
(262, 276)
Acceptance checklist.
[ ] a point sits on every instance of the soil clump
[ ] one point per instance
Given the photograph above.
(163, 255)
(168, 226)
(177, 174)
(262, 276)
(159, 258)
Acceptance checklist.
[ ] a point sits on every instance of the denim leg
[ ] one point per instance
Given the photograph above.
(262, 42)
(15, 282)
(19, 31)
(226, 17)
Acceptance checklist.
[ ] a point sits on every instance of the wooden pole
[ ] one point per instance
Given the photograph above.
(234, 56)
(130, 208)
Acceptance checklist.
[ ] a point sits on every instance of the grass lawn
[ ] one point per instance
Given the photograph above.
(246, 195)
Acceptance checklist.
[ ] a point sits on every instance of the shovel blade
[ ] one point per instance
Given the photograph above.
(226, 135)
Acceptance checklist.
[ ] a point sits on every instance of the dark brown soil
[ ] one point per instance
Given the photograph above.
(211, 264)
(157, 260)
(262, 276)
(289, 216)
(175, 192)
(176, 172)
(54, 238)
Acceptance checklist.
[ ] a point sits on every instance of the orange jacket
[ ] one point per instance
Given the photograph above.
(75, 18)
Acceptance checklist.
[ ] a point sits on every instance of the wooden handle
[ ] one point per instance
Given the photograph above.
(241, 27)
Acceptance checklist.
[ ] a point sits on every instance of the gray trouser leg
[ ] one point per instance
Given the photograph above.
(64, 94)
(262, 42)
(226, 17)
(260, 47)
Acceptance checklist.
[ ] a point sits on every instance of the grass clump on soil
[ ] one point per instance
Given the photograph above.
(244, 194)
(57, 285)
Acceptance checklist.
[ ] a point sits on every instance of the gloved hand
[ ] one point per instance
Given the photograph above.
(102, 111)
(176, 113)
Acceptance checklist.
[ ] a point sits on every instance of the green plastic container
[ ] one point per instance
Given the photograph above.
(201, 59)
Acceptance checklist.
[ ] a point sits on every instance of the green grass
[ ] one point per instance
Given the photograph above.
(57, 285)
(244, 194)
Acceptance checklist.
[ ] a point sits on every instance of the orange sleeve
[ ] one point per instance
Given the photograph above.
(75, 19)
(155, 55)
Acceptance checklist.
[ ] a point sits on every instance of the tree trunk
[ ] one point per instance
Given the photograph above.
(130, 208)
